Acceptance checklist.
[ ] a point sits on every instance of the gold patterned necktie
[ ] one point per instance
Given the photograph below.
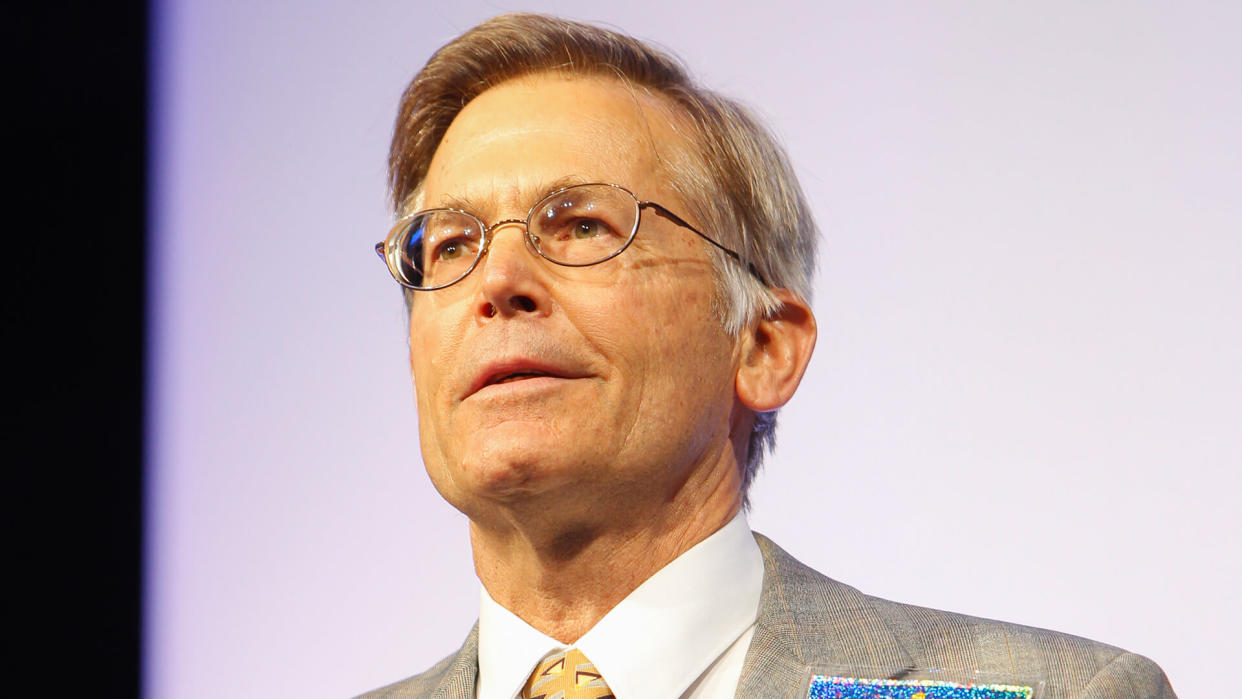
(566, 674)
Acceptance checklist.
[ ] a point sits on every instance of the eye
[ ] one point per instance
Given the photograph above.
(589, 228)
(451, 238)
(449, 250)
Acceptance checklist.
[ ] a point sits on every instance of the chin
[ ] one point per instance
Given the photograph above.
(509, 470)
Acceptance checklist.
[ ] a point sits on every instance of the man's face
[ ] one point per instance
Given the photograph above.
(591, 388)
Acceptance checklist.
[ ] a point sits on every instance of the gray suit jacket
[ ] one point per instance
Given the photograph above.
(807, 620)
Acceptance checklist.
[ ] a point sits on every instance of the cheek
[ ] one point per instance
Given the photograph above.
(435, 330)
(422, 361)
(433, 348)
(679, 371)
(668, 335)
(424, 387)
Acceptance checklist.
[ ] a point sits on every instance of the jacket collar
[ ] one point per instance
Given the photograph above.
(806, 621)
(462, 671)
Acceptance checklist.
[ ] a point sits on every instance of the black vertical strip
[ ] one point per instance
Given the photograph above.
(74, 330)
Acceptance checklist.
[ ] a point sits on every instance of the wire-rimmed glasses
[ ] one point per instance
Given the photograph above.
(575, 226)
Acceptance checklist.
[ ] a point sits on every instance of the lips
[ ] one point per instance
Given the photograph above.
(517, 369)
(515, 376)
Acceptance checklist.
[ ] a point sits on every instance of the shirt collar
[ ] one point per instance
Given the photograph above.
(658, 640)
(509, 650)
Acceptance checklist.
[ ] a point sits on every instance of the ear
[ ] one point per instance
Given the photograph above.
(774, 354)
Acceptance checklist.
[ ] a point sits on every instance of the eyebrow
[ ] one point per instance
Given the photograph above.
(474, 206)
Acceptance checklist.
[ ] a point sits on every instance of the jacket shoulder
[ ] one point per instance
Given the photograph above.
(451, 678)
(1069, 666)
(420, 685)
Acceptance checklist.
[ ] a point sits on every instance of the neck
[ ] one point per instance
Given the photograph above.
(563, 577)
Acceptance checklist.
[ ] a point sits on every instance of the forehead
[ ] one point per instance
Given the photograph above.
(523, 138)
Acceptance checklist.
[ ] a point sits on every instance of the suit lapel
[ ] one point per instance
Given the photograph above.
(461, 675)
(805, 620)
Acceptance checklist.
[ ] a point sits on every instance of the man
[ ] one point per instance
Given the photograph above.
(607, 270)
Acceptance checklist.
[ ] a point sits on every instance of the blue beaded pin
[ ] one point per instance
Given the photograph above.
(824, 687)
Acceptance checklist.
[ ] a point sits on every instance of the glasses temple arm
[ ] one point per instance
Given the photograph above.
(681, 222)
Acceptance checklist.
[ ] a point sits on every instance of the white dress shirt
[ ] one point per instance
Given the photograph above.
(681, 634)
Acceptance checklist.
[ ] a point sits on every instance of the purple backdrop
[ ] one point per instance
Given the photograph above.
(1025, 402)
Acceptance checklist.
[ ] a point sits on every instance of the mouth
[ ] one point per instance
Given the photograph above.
(516, 371)
(516, 376)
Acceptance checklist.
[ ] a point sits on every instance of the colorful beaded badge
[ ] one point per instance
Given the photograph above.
(823, 687)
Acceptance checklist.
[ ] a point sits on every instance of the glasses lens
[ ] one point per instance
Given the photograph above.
(585, 224)
(437, 248)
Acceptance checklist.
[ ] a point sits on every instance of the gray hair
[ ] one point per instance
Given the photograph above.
(733, 175)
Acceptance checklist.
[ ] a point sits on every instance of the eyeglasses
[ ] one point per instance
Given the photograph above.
(575, 226)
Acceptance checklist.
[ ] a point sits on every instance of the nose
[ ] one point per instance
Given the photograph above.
(511, 283)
